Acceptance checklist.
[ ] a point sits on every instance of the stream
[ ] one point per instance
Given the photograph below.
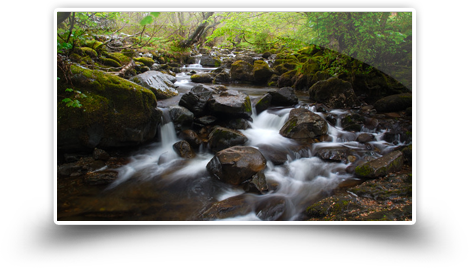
(157, 184)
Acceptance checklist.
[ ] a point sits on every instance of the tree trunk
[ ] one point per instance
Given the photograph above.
(194, 37)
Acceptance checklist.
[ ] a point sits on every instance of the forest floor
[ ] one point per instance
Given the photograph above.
(387, 198)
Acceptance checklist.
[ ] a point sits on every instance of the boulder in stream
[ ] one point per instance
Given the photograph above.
(241, 71)
(183, 149)
(230, 103)
(159, 83)
(302, 124)
(196, 99)
(284, 96)
(201, 78)
(236, 165)
(114, 113)
(261, 72)
(221, 138)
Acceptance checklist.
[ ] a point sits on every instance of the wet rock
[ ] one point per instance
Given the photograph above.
(335, 93)
(365, 137)
(206, 120)
(236, 165)
(221, 138)
(263, 103)
(272, 208)
(230, 103)
(184, 149)
(258, 184)
(159, 83)
(181, 117)
(196, 99)
(382, 166)
(303, 124)
(353, 122)
(191, 137)
(209, 61)
(394, 103)
(228, 208)
(69, 169)
(284, 96)
(100, 177)
(238, 123)
(339, 154)
(99, 154)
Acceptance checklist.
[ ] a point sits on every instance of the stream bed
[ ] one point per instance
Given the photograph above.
(155, 184)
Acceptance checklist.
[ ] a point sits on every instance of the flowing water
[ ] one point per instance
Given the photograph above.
(157, 184)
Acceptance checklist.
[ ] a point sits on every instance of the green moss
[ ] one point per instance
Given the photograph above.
(147, 61)
(88, 51)
(94, 44)
(363, 170)
(113, 106)
(247, 105)
(110, 62)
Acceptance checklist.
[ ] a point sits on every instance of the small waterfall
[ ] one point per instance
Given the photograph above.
(151, 161)
(265, 128)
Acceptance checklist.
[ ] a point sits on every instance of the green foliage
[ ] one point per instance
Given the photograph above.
(149, 18)
(258, 30)
(372, 37)
(63, 47)
(74, 102)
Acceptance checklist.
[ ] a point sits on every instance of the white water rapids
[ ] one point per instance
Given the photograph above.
(300, 180)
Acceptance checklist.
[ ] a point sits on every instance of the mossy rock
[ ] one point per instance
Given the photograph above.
(241, 71)
(94, 44)
(147, 61)
(334, 93)
(394, 103)
(117, 56)
(286, 79)
(261, 72)
(110, 62)
(303, 125)
(382, 166)
(115, 113)
(88, 51)
(201, 78)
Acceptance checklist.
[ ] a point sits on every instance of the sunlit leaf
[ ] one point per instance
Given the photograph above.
(147, 20)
